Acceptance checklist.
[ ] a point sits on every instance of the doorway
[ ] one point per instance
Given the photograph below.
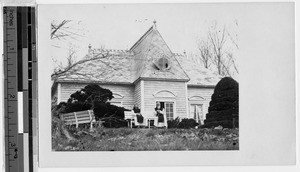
(169, 109)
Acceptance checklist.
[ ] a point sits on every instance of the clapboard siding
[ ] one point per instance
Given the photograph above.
(137, 94)
(178, 88)
(206, 93)
(125, 90)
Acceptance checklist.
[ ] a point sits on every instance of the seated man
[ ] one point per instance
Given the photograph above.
(139, 117)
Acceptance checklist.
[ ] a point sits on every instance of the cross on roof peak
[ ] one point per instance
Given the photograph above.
(154, 24)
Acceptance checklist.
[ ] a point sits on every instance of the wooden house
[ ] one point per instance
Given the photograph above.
(147, 73)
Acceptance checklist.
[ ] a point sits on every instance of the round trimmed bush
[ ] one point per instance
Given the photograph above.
(224, 105)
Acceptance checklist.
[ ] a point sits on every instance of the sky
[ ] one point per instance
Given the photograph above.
(120, 26)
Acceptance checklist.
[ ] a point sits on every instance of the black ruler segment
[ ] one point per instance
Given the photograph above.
(24, 21)
(19, 52)
(20, 99)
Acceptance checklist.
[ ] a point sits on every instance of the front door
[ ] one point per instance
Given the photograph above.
(197, 113)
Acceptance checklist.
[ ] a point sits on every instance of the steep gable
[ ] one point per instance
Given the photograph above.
(149, 52)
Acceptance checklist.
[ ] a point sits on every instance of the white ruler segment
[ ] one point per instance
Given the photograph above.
(20, 113)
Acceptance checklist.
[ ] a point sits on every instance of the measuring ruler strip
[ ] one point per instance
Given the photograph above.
(11, 96)
(20, 89)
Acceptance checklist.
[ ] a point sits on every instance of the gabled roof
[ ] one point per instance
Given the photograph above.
(118, 69)
(125, 67)
(199, 76)
(148, 50)
(115, 68)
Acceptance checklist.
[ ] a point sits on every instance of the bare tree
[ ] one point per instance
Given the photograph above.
(68, 30)
(217, 39)
(217, 50)
(205, 54)
(65, 29)
(57, 29)
(71, 64)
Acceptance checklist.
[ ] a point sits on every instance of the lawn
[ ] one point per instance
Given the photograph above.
(145, 139)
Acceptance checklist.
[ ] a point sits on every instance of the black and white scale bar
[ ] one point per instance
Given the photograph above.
(20, 91)
(12, 146)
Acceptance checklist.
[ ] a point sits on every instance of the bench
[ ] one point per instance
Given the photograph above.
(80, 117)
(130, 116)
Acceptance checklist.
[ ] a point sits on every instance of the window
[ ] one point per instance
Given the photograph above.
(169, 110)
(197, 113)
(162, 63)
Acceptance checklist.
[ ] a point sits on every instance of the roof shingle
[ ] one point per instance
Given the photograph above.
(121, 66)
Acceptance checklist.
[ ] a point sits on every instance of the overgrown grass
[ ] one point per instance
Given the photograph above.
(144, 139)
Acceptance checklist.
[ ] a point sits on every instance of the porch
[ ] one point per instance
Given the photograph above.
(150, 120)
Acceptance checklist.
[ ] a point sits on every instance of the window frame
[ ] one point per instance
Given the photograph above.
(202, 107)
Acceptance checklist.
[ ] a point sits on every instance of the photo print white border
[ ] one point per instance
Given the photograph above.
(267, 96)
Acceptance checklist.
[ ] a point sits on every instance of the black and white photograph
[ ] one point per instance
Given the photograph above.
(150, 77)
(166, 84)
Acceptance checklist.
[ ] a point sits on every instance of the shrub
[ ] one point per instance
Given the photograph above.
(218, 114)
(226, 83)
(113, 116)
(173, 123)
(91, 93)
(93, 97)
(102, 110)
(84, 99)
(224, 103)
(76, 106)
(221, 106)
(114, 122)
(187, 123)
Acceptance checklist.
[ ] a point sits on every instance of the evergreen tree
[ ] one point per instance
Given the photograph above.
(224, 105)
